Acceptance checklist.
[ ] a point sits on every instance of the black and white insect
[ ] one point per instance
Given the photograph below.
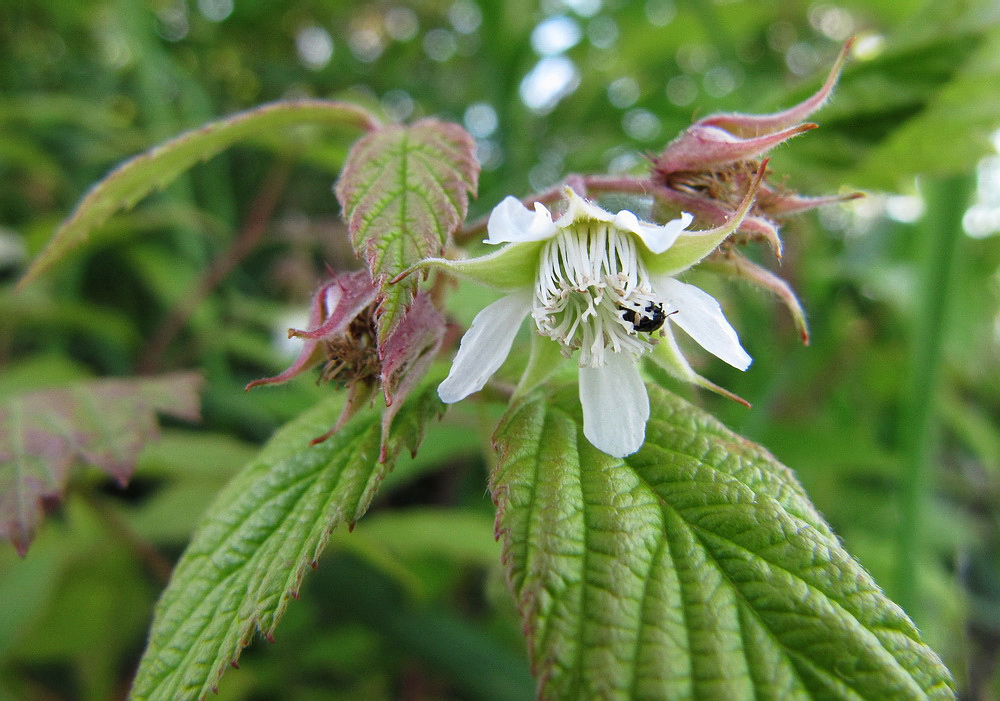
(652, 318)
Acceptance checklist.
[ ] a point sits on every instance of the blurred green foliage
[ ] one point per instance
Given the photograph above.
(904, 309)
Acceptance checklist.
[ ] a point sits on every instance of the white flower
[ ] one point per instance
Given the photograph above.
(600, 284)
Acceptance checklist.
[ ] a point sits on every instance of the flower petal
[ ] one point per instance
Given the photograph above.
(579, 209)
(657, 238)
(615, 405)
(485, 346)
(668, 356)
(512, 221)
(701, 317)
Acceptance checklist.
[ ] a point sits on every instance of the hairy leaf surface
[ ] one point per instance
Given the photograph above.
(404, 191)
(123, 187)
(694, 569)
(46, 433)
(248, 556)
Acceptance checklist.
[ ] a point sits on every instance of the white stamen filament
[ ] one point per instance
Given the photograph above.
(590, 273)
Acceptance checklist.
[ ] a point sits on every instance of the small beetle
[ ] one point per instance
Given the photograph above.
(653, 318)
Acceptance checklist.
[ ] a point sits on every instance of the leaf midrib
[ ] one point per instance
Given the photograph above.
(221, 583)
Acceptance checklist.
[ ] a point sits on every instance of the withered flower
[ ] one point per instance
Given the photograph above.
(343, 337)
(708, 168)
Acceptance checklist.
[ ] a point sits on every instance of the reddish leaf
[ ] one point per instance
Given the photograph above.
(406, 354)
(404, 191)
(336, 304)
(104, 423)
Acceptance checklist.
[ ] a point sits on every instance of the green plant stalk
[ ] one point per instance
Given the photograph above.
(940, 237)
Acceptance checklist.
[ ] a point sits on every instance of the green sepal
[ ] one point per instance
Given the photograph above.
(546, 356)
(511, 268)
(668, 355)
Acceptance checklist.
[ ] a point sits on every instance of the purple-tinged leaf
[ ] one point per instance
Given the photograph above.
(404, 191)
(406, 354)
(335, 305)
(105, 423)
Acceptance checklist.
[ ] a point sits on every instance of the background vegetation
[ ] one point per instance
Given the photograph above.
(889, 418)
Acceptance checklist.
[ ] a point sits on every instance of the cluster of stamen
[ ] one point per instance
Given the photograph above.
(590, 281)
(353, 356)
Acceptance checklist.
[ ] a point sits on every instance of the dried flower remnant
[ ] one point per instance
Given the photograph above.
(352, 356)
(708, 167)
(342, 336)
(339, 311)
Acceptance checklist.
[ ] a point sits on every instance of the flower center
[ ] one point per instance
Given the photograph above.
(593, 293)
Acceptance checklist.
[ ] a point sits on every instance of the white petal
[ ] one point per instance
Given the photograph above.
(512, 221)
(702, 318)
(579, 209)
(657, 238)
(615, 405)
(484, 346)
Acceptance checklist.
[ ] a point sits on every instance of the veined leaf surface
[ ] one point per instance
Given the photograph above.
(248, 556)
(694, 569)
(405, 190)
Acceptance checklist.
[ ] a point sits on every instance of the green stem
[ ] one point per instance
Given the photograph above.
(940, 237)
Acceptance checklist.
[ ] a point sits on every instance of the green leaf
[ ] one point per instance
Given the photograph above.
(159, 166)
(966, 105)
(696, 568)
(45, 434)
(405, 191)
(249, 555)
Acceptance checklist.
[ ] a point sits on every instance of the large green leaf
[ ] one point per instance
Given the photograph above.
(159, 166)
(965, 107)
(696, 568)
(248, 556)
(405, 190)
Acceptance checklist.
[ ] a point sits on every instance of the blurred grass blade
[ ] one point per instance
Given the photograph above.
(469, 654)
(156, 168)
(696, 568)
(940, 235)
